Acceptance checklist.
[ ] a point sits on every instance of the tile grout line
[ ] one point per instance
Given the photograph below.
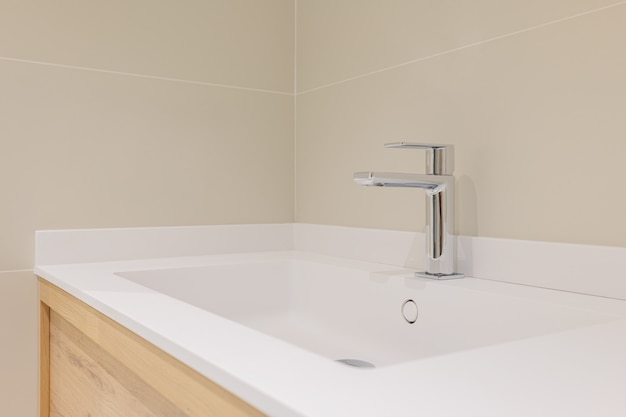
(468, 46)
(136, 75)
(13, 271)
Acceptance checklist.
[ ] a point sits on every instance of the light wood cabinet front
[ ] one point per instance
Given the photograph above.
(93, 367)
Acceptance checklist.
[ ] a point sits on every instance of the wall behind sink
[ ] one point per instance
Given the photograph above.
(532, 93)
(141, 113)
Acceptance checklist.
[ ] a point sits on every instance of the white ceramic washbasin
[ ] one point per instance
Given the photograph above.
(354, 311)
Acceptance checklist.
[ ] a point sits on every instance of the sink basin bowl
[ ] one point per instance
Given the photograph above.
(354, 310)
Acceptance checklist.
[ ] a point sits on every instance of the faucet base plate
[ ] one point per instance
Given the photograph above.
(428, 275)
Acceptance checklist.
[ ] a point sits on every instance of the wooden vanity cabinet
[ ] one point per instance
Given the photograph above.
(90, 366)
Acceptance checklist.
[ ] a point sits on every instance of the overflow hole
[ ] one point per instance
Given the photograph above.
(409, 311)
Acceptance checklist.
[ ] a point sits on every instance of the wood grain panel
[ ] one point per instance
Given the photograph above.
(93, 349)
(44, 360)
(85, 380)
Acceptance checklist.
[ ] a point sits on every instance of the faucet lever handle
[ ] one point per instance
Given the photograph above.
(439, 158)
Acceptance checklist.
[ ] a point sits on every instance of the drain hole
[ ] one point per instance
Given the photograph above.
(357, 363)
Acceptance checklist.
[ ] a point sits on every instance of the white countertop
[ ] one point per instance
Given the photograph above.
(579, 372)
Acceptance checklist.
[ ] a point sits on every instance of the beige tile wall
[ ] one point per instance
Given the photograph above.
(537, 115)
(122, 114)
(104, 150)
(234, 42)
(18, 343)
(338, 40)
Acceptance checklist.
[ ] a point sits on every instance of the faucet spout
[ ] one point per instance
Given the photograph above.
(430, 183)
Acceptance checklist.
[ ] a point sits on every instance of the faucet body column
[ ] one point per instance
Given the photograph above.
(440, 242)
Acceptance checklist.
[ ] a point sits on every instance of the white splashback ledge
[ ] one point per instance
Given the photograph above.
(54, 247)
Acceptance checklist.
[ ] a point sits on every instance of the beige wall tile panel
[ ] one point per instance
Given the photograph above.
(246, 43)
(84, 149)
(342, 39)
(18, 347)
(537, 119)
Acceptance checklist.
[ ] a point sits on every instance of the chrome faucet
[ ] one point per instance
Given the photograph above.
(438, 182)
